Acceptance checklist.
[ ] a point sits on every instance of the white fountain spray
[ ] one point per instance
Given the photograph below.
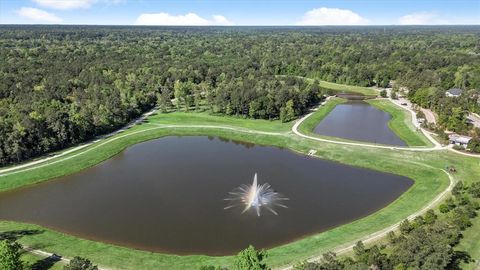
(255, 196)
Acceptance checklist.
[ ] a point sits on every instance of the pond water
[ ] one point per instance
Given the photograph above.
(167, 195)
(359, 121)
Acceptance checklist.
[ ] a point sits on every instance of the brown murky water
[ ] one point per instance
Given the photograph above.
(359, 121)
(167, 195)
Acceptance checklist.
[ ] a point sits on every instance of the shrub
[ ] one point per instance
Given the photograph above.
(79, 263)
(250, 259)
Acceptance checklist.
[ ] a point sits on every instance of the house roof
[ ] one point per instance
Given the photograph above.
(459, 138)
(455, 91)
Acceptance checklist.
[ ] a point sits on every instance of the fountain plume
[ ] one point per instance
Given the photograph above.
(255, 196)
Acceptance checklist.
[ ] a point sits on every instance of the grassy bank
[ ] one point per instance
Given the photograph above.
(424, 168)
(311, 122)
(401, 123)
(350, 88)
(471, 243)
(428, 183)
(39, 262)
(368, 91)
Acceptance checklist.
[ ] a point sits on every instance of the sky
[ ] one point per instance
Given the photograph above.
(238, 12)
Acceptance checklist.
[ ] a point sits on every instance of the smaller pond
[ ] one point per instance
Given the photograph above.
(359, 121)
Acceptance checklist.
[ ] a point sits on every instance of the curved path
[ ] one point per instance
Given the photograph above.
(423, 149)
(417, 124)
(339, 250)
(43, 162)
(71, 150)
(36, 165)
(383, 233)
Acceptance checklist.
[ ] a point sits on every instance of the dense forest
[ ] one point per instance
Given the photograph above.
(61, 85)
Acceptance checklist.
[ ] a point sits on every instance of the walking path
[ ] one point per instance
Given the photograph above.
(41, 160)
(45, 254)
(382, 233)
(414, 121)
(156, 126)
(339, 250)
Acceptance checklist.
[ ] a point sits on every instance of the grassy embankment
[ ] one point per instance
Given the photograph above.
(401, 123)
(39, 262)
(368, 91)
(422, 167)
(349, 88)
(428, 183)
(471, 243)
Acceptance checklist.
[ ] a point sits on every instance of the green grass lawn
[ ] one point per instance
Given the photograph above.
(193, 118)
(368, 91)
(311, 122)
(424, 168)
(350, 88)
(40, 262)
(401, 123)
(471, 242)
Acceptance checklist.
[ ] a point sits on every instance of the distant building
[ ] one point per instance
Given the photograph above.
(454, 92)
(459, 140)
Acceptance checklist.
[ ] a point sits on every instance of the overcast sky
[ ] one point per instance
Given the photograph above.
(247, 12)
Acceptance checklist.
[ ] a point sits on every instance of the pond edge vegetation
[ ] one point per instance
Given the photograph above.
(287, 253)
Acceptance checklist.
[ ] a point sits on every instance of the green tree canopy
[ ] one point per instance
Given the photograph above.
(251, 259)
(10, 256)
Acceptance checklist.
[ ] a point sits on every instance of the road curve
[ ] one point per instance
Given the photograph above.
(382, 233)
(339, 250)
(423, 149)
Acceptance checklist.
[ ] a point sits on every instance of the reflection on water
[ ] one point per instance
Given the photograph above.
(359, 121)
(168, 195)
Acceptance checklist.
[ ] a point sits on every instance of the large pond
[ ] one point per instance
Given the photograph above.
(168, 194)
(359, 121)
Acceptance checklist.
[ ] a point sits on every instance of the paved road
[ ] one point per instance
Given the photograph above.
(415, 122)
(383, 233)
(341, 249)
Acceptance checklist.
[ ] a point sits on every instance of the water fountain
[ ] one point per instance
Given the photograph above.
(256, 196)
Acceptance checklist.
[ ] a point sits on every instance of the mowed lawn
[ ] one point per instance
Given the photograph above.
(401, 123)
(368, 91)
(423, 167)
(350, 88)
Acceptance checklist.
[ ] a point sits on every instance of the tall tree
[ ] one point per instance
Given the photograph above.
(10, 256)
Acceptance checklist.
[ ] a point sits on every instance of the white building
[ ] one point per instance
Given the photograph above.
(459, 140)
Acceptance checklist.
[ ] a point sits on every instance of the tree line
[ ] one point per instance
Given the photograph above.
(62, 85)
